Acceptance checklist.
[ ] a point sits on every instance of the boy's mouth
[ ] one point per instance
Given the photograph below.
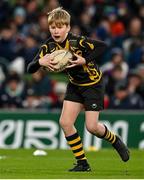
(56, 37)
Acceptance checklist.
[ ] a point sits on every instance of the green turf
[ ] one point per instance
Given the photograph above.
(21, 164)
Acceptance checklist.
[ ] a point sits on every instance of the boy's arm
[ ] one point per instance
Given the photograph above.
(34, 65)
(92, 51)
(93, 48)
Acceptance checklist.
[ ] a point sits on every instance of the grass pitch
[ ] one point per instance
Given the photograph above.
(105, 164)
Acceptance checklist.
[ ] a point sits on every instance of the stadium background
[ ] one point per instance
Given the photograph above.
(23, 28)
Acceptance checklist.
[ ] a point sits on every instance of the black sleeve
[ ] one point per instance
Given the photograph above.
(34, 65)
(94, 48)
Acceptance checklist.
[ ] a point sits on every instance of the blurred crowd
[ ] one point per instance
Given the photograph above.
(23, 27)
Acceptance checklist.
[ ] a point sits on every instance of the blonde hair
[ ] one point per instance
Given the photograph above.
(59, 16)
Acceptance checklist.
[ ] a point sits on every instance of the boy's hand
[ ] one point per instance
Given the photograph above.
(79, 61)
(47, 61)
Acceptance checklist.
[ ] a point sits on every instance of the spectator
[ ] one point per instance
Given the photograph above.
(40, 83)
(76, 29)
(59, 90)
(116, 59)
(123, 100)
(13, 92)
(50, 5)
(43, 28)
(133, 44)
(32, 11)
(19, 17)
(140, 72)
(7, 43)
(114, 79)
(40, 88)
(5, 11)
(32, 101)
(134, 83)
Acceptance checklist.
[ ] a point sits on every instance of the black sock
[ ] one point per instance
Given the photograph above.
(76, 146)
(109, 136)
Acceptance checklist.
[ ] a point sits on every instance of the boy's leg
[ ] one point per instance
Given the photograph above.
(101, 131)
(69, 114)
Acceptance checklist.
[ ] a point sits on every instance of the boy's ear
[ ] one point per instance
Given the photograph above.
(68, 28)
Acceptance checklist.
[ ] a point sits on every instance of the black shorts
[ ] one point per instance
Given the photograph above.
(92, 97)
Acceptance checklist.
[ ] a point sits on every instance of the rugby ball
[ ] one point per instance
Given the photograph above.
(61, 57)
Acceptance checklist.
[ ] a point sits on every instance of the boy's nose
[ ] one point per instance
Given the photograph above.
(56, 30)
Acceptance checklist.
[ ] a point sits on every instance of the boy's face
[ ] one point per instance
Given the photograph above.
(59, 33)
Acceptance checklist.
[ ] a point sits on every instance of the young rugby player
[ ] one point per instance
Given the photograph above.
(85, 89)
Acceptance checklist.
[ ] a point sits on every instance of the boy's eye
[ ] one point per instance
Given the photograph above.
(53, 27)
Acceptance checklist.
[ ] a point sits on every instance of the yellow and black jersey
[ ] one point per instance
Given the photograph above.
(91, 50)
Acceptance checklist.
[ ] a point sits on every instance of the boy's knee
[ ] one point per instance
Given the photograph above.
(64, 124)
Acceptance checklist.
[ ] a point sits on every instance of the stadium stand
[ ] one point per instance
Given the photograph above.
(119, 23)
